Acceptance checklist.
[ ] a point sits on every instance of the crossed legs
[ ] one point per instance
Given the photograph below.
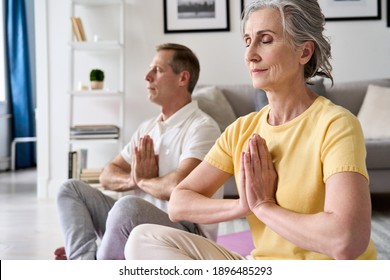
(87, 214)
(128, 213)
(154, 242)
(83, 212)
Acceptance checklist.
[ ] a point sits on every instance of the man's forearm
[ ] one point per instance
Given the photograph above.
(160, 187)
(116, 179)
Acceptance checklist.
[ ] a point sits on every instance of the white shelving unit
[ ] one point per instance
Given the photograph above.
(104, 48)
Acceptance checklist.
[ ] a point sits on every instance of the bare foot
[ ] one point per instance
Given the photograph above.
(60, 254)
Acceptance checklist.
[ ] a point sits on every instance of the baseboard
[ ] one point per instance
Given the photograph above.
(5, 163)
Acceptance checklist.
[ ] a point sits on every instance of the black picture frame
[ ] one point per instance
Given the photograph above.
(211, 18)
(346, 10)
(341, 10)
(388, 13)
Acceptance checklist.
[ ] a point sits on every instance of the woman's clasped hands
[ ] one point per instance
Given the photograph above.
(258, 177)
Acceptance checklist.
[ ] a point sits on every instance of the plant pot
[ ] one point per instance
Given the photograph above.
(96, 85)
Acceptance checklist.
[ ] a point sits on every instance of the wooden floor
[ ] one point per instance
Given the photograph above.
(29, 228)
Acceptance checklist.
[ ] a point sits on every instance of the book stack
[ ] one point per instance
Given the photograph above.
(94, 132)
(77, 162)
(78, 29)
(90, 175)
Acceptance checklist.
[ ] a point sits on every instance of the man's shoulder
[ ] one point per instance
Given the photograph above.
(203, 117)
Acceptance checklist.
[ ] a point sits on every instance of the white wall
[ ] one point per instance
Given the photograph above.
(360, 51)
(4, 117)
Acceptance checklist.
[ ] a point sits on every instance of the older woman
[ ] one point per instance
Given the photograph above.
(299, 163)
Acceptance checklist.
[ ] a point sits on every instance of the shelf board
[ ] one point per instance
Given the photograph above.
(96, 46)
(96, 2)
(95, 140)
(96, 93)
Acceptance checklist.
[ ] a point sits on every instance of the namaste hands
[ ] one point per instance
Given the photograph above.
(145, 161)
(258, 177)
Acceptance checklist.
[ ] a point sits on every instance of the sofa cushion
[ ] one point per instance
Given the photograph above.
(378, 154)
(240, 97)
(374, 115)
(350, 95)
(317, 85)
(260, 99)
(212, 101)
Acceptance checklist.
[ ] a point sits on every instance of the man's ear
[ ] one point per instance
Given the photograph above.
(184, 77)
(307, 51)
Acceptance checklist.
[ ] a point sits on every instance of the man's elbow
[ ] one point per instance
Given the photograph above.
(102, 178)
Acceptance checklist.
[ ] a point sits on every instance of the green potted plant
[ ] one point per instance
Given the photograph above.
(96, 77)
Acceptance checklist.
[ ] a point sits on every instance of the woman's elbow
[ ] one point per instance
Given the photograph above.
(173, 212)
(351, 246)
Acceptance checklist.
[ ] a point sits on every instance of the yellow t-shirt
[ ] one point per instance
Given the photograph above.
(324, 140)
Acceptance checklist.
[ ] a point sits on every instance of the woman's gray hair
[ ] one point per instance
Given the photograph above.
(302, 21)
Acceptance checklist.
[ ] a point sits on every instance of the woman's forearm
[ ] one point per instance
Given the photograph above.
(325, 232)
(194, 207)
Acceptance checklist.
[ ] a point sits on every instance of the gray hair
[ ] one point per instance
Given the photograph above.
(302, 21)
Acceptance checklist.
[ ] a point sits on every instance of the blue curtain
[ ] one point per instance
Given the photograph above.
(20, 81)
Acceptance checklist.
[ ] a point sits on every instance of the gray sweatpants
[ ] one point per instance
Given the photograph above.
(87, 214)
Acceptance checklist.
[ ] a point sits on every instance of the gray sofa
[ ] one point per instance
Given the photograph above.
(243, 99)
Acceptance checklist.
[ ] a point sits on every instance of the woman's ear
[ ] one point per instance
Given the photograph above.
(307, 51)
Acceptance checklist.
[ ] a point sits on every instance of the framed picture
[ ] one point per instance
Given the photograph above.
(346, 9)
(351, 9)
(388, 13)
(196, 16)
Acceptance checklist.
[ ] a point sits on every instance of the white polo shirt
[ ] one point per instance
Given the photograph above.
(189, 133)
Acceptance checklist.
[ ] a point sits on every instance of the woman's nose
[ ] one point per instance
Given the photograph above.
(251, 54)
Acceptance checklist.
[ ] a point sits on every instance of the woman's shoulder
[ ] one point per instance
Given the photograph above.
(330, 109)
(329, 105)
(330, 113)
